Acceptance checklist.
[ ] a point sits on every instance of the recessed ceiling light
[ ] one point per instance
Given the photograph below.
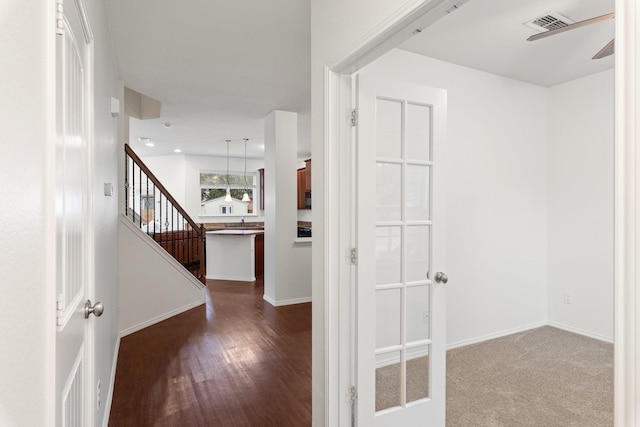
(167, 125)
(177, 150)
(150, 144)
(143, 139)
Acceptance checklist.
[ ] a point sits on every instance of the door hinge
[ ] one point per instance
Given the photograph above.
(351, 395)
(351, 400)
(59, 17)
(354, 117)
(352, 256)
(59, 309)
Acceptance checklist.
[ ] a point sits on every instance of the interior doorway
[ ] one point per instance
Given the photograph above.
(337, 86)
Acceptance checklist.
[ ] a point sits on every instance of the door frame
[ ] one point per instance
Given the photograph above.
(626, 217)
(338, 211)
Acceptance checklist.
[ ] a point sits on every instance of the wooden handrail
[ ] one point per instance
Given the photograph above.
(158, 184)
(173, 241)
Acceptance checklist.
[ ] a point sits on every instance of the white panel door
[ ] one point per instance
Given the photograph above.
(400, 362)
(73, 243)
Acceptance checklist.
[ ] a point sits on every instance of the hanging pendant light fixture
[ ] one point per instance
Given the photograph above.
(227, 198)
(245, 196)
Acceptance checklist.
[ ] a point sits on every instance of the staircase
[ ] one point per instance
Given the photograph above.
(151, 208)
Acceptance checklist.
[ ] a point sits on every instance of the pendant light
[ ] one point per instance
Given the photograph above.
(245, 196)
(227, 198)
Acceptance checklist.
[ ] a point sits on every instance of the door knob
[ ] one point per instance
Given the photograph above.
(441, 277)
(96, 309)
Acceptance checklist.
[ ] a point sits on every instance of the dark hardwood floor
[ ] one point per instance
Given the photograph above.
(237, 361)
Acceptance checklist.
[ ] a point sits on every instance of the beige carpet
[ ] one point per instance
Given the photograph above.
(545, 377)
(388, 383)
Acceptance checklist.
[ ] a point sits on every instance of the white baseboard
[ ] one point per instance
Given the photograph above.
(160, 318)
(234, 278)
(286, 301)
(112, 382)
(269, 300)
(494, 335)
(526, 328)
(581, 332)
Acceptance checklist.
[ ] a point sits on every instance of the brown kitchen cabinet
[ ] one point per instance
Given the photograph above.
(259, 255)
(307, 166)
(304, 186)
(302, 179)
(261, 184)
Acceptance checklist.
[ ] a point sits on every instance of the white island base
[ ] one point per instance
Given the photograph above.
(231, 254)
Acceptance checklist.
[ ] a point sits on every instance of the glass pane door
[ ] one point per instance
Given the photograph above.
(403, 250)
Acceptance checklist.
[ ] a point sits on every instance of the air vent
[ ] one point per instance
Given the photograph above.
(548, 22)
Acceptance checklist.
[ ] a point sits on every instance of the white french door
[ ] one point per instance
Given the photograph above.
(74, 248)
(400, 331)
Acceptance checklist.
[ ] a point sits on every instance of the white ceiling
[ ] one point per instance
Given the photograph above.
(219, 67)
(490, 35)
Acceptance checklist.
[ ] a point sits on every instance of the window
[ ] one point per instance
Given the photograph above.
(213, 189)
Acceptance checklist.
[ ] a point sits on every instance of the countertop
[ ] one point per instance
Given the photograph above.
(236, 232)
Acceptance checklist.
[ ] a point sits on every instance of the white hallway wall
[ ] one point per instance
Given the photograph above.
(146, 269)
(496, 187)
(105, 209)
(287, 267)
(170, 170)
(581, 119)
(28, 304)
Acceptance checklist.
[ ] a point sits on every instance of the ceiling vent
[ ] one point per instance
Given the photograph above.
(548, 22)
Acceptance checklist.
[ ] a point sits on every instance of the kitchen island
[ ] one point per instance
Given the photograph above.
(235, 254)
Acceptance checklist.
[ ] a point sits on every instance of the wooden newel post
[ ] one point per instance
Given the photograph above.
(203, 255)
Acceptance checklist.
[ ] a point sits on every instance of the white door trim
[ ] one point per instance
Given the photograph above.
(627, 196)
(90, 353)
(627, 215)
(338, 237)
(398, 27)
(91, 270)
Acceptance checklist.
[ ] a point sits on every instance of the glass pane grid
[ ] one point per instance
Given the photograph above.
(389, 377)
(389, 286)
(388, 255)
(417, 344)
(386, 350)
(411, 162)
(418, 122)
(393, 160)
(414, 223)
(412, 371)
(417, 283)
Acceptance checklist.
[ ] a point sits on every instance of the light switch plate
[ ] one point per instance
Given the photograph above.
(108, 189)
(115, 107)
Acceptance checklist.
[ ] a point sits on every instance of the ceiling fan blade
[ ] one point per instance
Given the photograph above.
(571, 27)
(605, 51)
